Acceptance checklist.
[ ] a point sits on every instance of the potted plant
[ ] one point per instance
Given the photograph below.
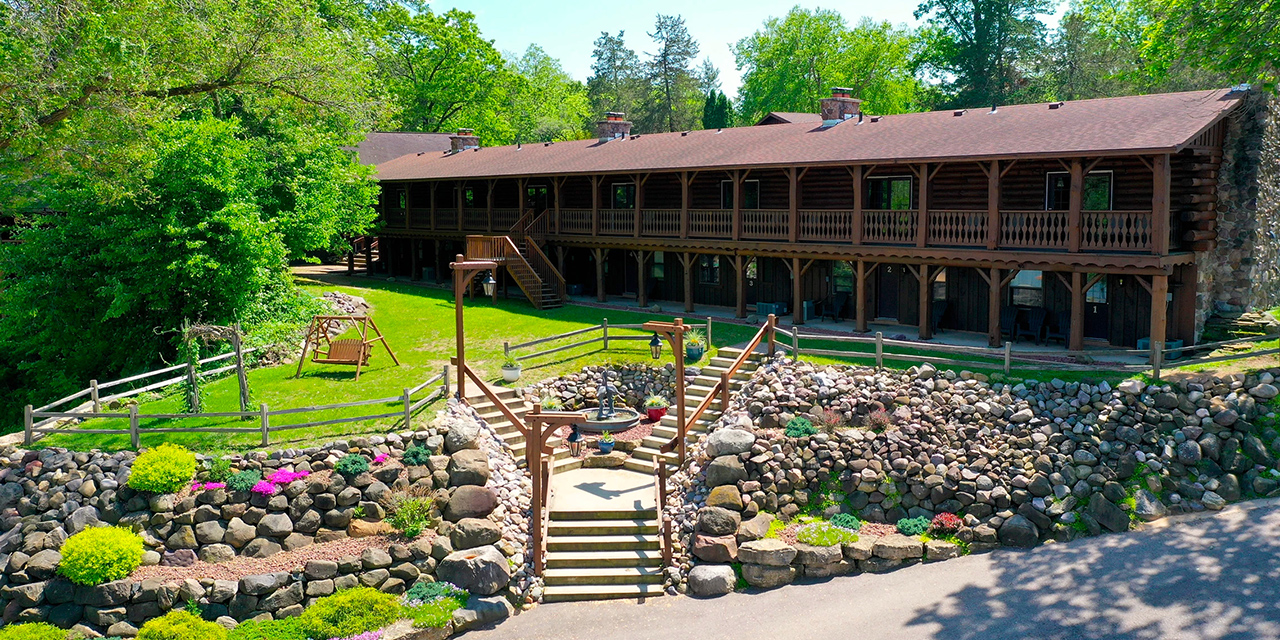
(510, 368)
(656, 407)
(695, 344)
(606, 443)
(549, 402)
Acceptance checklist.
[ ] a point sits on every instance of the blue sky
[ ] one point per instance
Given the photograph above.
(566, 28)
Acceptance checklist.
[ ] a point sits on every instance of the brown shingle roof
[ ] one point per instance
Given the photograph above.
(784, 117)
(1133, 124)
(381, 146)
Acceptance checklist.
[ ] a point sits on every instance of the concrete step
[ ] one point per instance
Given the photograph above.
(574, 515)
(603, 559)
(604, 543)
(648, 454)
(568, 593)
(603, 576)
(602, 527)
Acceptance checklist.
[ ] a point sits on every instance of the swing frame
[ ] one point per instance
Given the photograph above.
(347, 351)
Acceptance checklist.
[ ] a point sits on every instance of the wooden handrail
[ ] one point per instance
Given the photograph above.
(660, 469)
(465, 370)
(562, 288)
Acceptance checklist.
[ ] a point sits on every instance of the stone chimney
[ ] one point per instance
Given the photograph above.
(840, 106)
(463, 140)
(614, 125)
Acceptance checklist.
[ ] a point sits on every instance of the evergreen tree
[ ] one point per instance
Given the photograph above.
(616, 82)
(673, 86)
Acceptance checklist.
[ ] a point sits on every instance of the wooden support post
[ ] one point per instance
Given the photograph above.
(444, 382)
(1008, 357)
(265, 419)
(642, 295)
(797, 295)
(879, 351)
(737, 205)
(926, 310)
(860, 297)
(604, 332)
(595, 209)
(134, 437)
(488, 206)
(685, 180)
(1075, 341)
(793, 203)
(351, 261)
(993, 205)
(994, 290)
(709, 333)
(772, 323)
(1159, 315)
(1160, 206)
(857, 206)
(686, 263)
(560, 259)
(434, 184)
(639, 204)
(739, 268)
(28, 426)
(93, 396)
(1076, 202)
(600, 255)
(922, 208)
(458, 193)
(555, 186)
(724, 391)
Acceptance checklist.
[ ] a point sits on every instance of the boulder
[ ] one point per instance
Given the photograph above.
(474, 532)
(470, 501)
(480, 612)
(612, 460)
(755, 528)
(935, 550)
(896, 546)
(215, 553)
(482, 571)
(469, 467)
(767, 577)
(1018, 531)
(729, 442)
(711, 580)
(718, 521)
(769, 552)
(726, 496)
(1106, 513)
(464, 433)
(1147, 506)
(812, 555)
(715, 548)
(725, 470)
(275, 525)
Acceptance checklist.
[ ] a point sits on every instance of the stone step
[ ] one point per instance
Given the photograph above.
(569, 593)
(595, 515)
(649, 453)
(603, 559)
(601, 527)
(603, 576)
(604, 543)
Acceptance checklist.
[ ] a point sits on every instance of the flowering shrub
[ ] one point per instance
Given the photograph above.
(380, 458)
(913, 526)
(164, 469)
(244, 480)
(369, 635)
(877, 420)
(352, 464)
(284, 476)
(208, 486)
(264, 487)
(946, 524)
(100, 554)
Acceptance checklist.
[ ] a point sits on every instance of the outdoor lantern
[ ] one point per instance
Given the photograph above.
(489, 284)
(655, 346)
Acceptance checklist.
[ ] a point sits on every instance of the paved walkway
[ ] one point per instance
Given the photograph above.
(602, 490)
(1215, 576)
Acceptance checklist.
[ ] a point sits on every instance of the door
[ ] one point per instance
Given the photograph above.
(887, 291)
(537, 198)
(1097, 313)
(752, 279)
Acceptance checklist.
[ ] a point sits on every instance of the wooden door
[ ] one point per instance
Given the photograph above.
(1097, 312)
(887, 291)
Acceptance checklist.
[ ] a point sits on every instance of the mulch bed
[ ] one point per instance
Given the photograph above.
(634, 434)
(285, 561)
(871, 529)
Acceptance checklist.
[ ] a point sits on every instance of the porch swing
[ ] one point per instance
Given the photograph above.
(347, 351)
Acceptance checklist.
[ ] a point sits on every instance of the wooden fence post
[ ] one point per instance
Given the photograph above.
(408, 403)
(266, 424)
(93, 395)
(445, 380)
(604, 326)
(773, 335)
(240, 374)
(879, 350)
(506, 349)
(795, 342)
(194, 392)
(1008, 352)
(133, 427)
(1157, 358)
(27, 425)
(724, 391)
(708, 333)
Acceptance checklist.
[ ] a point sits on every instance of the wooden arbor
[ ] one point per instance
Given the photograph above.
(348, 351)
(673, 333)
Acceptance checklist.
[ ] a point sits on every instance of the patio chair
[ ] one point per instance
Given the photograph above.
(1033, 324)
(1061, 328)
(832, 307)
(1009, 322)
(938, 310)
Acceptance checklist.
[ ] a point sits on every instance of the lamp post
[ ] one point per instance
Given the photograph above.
(672, 332)
(463, 272)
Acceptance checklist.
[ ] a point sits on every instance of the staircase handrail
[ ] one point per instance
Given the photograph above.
(505, 252)
(548, 269)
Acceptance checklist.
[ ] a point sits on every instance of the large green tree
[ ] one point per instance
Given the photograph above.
(1239, 38)
(546, 104)
(674, 102)
(793, 61)
(617, 81)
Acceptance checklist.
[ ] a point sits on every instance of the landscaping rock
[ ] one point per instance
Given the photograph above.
(755, 528)
(1107, 513)
(1148, 507)
(469, 467)
(896, 546)
(612, 460)
(1018, 531)
(729, 442)
(717, 521)
(725, 470)
(711, 580)
(769, 551)
(767, 577)
(474, 532)
(480, 612)
(715, 548)
(725, 496)
(482, 571)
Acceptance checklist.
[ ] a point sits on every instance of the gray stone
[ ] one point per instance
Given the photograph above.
(238, 533)
(374, 558)
(935, 550)
(470, 502)
(215, 553)
(464, 433)
(320, 569)
(896, 546)
(812, 555)
(1108, 514)
(725, 470)
(718, 521)
(470, 466)
(1213, 501)
(767, 577)
(42, 565)
(715, 548)
(480, 612)
(1018, 531)
(729, 441)
(482, 571)
(769, 551)
(275, 525)
(711, 580)
(1147, 506)
(474, 532)
(754, 528)
(262, 584)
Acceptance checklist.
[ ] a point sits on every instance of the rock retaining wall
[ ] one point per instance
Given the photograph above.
(635, 382)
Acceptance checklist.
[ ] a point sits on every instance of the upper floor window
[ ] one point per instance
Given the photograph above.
(468, 197)
(1096, 195)
(750, 194)
(893, 193)
(624, 195)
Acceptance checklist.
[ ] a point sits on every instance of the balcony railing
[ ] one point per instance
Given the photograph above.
(1100, 231)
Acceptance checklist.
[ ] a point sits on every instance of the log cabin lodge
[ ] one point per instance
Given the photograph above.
(1083, 221)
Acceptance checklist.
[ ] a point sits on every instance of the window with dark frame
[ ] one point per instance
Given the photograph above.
(624, 195)
(708, 269)
(1027, 289)
(659, 266)
(750, 194)
(890, 193)
(1096, 194)
(842, 277)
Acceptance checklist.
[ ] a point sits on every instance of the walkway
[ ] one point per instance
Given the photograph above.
(1209, 576)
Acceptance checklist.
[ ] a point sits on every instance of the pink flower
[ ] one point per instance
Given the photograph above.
(380, 458)
(197, 486)
(264, 487)
(211, 486)
(284, 476)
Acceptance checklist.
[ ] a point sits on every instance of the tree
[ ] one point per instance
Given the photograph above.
(673, 86)
(1237, 38)
(546, 103)
(438, 70)
(716, 111)
(982, 51)
(792, 62)
(616, 82)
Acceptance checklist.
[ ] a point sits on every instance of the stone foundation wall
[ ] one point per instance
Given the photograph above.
(1243, 272)
(635, 382)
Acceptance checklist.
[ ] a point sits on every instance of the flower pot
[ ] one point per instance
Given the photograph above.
(656, 413)
(511, 374)
(606, 447)
(693, 352)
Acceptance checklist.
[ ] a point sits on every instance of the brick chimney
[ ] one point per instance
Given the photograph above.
(463, 140)
(614, 125)
(840, 106)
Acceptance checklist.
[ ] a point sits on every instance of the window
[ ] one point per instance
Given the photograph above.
(708, 269)
(659, 266)
(842, 276)
(892, 193)
(469, 197)
(624, 195)
(752, 270)
(750, 194)
(1097, 294)
(940, 286)
(536, 197)
(1027, 289)
(1096, 195)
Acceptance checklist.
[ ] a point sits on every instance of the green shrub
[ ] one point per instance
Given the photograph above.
(846, 521)
(244, 480)
(428, 591)
(287, 629)
(180, 625)
(799, 427)
(349, 612)
(219, 470)
(164, 469)
(416, 456)
(410, 515)
(431, 604)
(100, 554)
(913, 526)
(32, 631)
(824, 534)
(352, 464)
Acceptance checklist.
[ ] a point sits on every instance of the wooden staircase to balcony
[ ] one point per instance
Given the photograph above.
(520, 254)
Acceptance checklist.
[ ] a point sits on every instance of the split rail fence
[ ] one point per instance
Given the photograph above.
(604, 335)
